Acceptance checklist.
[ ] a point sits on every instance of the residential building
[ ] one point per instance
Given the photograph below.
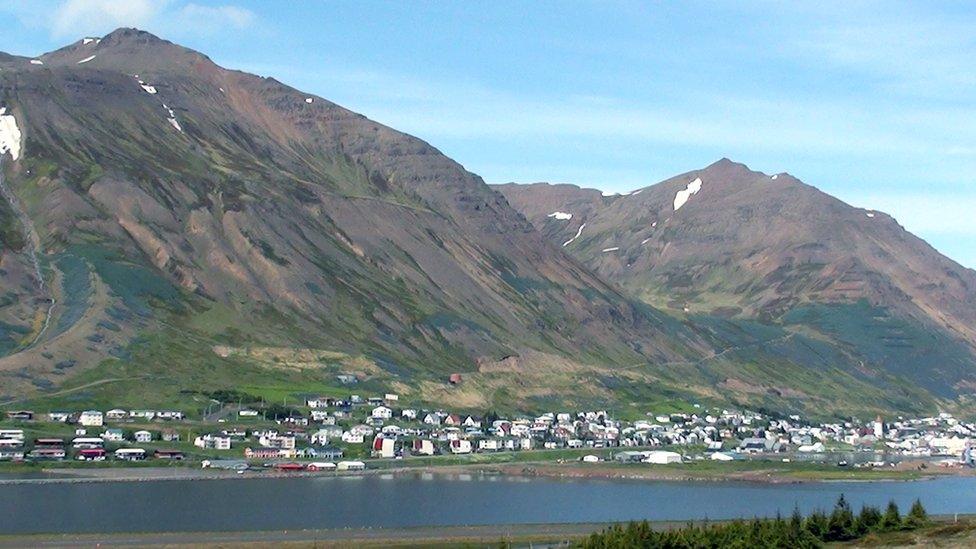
(91, 418)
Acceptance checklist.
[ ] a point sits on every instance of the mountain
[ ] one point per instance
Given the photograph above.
(726, 241)
(171, 228)
(162, 190)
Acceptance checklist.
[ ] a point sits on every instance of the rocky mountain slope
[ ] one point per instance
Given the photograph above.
(730, 242)
(158, 181)
(198, 228)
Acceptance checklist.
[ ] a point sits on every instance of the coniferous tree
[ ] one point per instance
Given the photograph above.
(840, 527)
(796, 520)
(917, 517)
(795, 533)
(868, 520)
(891, 520)
(816, 524)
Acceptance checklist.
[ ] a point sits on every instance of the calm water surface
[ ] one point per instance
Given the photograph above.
(426, 500)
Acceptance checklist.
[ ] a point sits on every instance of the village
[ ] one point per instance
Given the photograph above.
(355, 433)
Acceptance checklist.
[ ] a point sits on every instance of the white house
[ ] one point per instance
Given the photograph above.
(381, 412)
(143, 436)
(116, 414)
(460, 446)
(130, 454)
(384, 447)
(409, 414)
(350, 466)
(113, 435)
(213, 442)
(364, 430)
(423, 447)
(277, 441)
(91, 418)
(322, 416)
(490, 445)
(320, 437)
(662, 457)
(59, 417)
(352, 437)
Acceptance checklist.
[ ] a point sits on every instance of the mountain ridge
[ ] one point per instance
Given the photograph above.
(752, 245)
(208, 228)
(237, 189)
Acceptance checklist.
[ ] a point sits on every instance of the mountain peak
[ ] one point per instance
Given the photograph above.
(123, 35)
(128, 50)
(727, 166)
(724, 161)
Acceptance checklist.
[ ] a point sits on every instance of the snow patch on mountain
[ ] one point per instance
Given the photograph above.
(615, 248)
(172, 118)
(87, 59)
(579, 232)
(36, 62)
(9, 134)
(562, 216)
(683, 195)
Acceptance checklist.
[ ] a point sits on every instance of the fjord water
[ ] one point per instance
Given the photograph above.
(429, 500)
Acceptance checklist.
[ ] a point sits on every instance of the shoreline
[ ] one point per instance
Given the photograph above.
(775, 473)
(407, 536)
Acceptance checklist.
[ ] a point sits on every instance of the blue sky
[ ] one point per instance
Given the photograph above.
(872, 102)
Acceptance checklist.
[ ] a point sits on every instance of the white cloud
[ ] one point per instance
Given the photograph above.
(75, 18)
